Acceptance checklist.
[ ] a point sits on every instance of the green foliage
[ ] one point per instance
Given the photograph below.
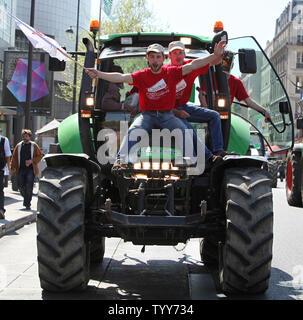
(130, 65)
(130, 16)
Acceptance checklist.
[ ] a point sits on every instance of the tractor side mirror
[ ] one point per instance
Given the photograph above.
(247, 60)
(217, 38)
(300, 123)
(283, 107)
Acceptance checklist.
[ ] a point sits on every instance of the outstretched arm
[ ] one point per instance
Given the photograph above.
(252, 104)
(114, 77)
(213, 58)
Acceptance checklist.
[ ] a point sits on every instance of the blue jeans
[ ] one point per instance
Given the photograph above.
(26, 179)
(149, 120)
(203, 115)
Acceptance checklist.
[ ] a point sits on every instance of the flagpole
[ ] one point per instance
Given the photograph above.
(74, 107)
(99, 35)
(28, 104)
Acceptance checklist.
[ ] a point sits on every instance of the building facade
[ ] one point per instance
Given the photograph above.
(286, 54)
(54, 17)
(7, 40)
(7, 33)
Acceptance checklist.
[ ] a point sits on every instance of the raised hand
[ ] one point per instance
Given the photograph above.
(219, 48)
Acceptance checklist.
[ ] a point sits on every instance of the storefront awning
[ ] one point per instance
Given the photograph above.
(49, 126)
(8, 111)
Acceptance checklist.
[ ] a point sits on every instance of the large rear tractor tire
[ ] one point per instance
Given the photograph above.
(245, 257)
(273, 168)
(293, 179)
(97, 250)
(63, 257)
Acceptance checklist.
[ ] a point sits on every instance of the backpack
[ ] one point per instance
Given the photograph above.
(2, 154)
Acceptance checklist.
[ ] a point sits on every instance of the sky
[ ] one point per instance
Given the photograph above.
(240, 17)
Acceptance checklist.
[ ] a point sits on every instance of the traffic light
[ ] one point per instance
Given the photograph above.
(56, 65)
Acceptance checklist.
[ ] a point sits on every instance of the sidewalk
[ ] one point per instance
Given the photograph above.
(16, 216)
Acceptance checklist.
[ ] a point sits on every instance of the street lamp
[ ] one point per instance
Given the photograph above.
(70, 30)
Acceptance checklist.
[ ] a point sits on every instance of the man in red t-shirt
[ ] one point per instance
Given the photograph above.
(238, 91)
(236, 88)
(189, 112)
(157, 93)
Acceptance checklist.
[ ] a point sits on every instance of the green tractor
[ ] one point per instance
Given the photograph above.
(229, 206)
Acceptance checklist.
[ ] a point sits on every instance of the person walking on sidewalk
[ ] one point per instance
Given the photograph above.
(24, 165)
(5, 155)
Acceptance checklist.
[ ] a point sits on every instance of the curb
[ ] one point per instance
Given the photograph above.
(17, 224)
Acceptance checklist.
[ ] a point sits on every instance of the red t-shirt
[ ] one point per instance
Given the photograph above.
(157, 91)
(236, 89)
(184, 87)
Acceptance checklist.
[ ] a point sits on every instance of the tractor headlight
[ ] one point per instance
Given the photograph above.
(221, 103)
(165, 166)
(137, 166)
(146, 165)
(89, 99)
(156, 166)
(141, 176)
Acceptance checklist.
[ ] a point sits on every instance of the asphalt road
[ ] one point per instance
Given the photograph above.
(161, 272)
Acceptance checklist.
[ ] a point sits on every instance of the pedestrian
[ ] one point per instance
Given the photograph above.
(157, 93)
(24, 165)
(5, 154)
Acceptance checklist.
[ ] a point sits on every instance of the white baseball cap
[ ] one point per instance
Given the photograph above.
(174, 45)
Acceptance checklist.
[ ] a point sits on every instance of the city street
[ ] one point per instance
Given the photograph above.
(159, 273)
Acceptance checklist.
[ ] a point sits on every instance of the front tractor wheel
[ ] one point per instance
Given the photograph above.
(293, 179)
(245, 257)
(63, 257)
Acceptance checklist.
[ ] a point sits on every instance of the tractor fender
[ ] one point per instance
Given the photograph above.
(242, 161)
(80, 160)
(231, 161)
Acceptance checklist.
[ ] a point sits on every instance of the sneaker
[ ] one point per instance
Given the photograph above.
(223, 153)
(28, 208)
(2, 216)
(118, 165)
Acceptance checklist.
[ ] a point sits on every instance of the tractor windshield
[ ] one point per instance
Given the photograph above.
(265, 88)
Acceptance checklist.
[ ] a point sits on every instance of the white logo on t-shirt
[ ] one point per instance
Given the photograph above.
(181, 85)
(160, 85)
